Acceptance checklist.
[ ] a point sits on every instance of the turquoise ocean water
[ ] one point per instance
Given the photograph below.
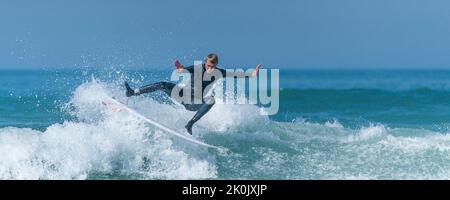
(332, 124)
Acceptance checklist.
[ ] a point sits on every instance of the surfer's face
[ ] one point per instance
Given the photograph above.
(210, 63)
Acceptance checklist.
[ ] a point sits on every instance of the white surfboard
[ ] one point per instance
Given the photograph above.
(117, 106)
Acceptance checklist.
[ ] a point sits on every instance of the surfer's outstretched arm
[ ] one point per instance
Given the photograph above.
(243, 74)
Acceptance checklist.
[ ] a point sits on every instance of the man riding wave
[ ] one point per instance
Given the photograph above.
(208, 69)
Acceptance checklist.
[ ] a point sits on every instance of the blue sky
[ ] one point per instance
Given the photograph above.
(280, 34)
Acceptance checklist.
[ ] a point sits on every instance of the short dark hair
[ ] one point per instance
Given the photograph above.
(214, 57)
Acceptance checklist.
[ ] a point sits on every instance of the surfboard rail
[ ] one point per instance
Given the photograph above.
(122, 107)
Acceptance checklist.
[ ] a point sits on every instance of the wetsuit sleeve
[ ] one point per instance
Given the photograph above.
(224, 72)
(190, 69)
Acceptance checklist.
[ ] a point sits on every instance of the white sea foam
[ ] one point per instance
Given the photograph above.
(99, 142)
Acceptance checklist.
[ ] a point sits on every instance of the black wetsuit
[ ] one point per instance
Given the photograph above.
(167, 87)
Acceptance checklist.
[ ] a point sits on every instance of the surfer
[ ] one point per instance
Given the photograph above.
(208, 67)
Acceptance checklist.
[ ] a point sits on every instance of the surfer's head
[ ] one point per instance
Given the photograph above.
(211, 61)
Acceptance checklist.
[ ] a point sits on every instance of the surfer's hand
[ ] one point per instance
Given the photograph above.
(178, 65)
(255, 72)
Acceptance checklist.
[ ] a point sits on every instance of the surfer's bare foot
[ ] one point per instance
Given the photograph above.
(130, 92)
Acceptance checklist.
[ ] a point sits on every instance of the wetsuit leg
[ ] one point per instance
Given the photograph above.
(167, 87)
(192, 107)
(163, 86)
(202, 110)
